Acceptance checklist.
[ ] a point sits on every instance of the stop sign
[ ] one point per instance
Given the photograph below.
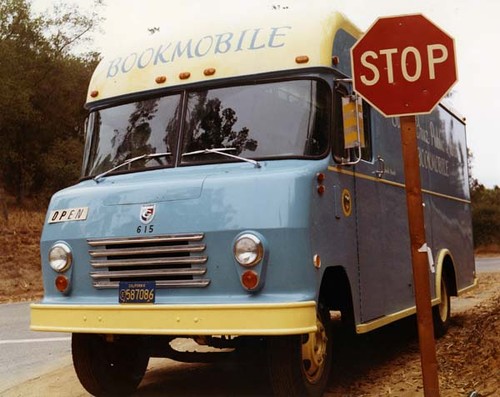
(403, 65)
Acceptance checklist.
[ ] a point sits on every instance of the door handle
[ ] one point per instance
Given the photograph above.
(380, 167)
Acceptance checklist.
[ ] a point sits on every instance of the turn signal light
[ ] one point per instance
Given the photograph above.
(250, 279)
(62, 283)
(94, 93)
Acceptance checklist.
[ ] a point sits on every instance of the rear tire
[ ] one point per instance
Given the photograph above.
(441, 313)
(300, 364)
(108, 368)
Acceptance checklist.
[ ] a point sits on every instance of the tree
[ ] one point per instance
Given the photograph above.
(212, 127)
(486, 215)
(485, 210)
(44, 86)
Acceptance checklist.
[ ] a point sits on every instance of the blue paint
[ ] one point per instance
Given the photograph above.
(224, 201)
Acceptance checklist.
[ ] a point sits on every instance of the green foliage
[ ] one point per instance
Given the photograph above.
(486, 215)
(43, 91)
(64, 160)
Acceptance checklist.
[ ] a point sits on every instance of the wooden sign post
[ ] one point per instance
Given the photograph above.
(419, 257)
(403, 66)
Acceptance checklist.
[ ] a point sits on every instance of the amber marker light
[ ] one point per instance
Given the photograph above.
(250, 279)
(317, 261)
(62, 283)
(209, 72)
(320, 177)
(335, 60)
(94, 93)
(184, 75)
(161, 79)
(302, 59)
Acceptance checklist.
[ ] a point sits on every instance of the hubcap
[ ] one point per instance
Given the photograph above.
(314, 350)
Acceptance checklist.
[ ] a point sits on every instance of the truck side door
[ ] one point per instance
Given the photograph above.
(386, 283)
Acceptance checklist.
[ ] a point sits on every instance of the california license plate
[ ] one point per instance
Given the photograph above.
(137, 292)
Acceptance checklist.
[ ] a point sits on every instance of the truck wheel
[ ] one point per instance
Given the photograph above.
(441, 312)
(300, 364)
(108, 368)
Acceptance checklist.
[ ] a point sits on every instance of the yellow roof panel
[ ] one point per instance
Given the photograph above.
(217, 48)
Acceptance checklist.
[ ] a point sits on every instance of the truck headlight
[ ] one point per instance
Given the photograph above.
(248, 250)
(60, 257)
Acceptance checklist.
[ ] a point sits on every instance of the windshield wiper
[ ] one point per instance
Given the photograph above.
(130, 161)
(222, 152)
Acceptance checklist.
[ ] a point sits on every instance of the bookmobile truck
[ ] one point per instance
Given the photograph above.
(234, 189)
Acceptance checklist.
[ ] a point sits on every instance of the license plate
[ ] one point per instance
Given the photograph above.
(137, 292)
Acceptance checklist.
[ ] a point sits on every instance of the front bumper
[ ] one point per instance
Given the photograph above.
(144, 319)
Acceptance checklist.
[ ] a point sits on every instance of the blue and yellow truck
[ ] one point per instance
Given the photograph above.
(234, 187)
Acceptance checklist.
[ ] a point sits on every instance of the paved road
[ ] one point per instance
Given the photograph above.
(26, 354)
(487, 265)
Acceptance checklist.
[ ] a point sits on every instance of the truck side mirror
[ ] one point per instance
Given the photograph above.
(352, 117)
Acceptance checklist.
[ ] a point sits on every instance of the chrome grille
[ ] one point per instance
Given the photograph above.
(172, 261)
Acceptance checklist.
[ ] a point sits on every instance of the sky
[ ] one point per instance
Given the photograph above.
(473, 24)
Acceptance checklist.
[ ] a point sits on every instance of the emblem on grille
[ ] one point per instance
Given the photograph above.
(147, 213)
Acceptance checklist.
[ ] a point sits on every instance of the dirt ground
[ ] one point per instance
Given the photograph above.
(20, 274)
(382, 363)
(387, 361)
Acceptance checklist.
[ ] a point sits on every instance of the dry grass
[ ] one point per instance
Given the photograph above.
(20, 274)
(488, 250)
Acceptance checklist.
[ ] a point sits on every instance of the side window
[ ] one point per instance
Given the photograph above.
(352, 128)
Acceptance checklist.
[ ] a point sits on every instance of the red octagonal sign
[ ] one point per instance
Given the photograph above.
(403, 65)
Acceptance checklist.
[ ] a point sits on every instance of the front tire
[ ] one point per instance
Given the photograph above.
(300, 364)
(108, 368)
(441, 313)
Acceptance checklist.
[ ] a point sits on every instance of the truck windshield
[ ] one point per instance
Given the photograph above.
(288, 119)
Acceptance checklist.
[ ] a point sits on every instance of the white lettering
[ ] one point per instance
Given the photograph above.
(411, 63)
(372, 67)
(434, 60)
(388, 58)
(404, 64)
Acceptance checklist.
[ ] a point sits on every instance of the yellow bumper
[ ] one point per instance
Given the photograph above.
(228, 319)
